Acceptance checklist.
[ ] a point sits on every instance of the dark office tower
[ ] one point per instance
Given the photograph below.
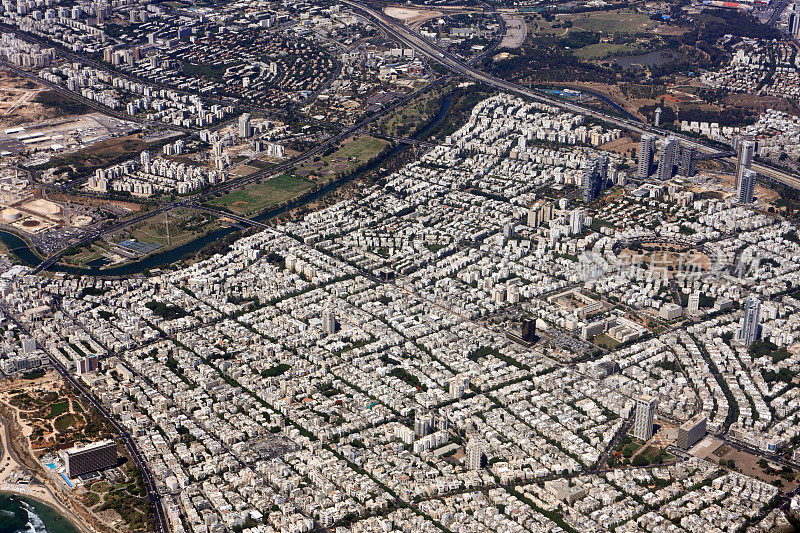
(529, 330)
(745, 150)
(667, 158)
(686, 161)
(603, 169)
(81, 460)
(595, 175)
(589, 182)
(647, 147)
(794, 21)
(746, 187)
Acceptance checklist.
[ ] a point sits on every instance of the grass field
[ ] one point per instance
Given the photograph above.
(352, 153)
(403, 121)
(58, 409)
(85, 254)
(604, 50)
(184, 226)
(257, 198)
(64, 422)
(618, 21)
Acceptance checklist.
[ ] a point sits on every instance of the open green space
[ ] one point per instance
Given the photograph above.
(207, 70)
(178, 227)
(617, 21)
(403, 121)
(64, 422)
(263, 195)
(57, 409)
(84, 254)
(64, 106)
(275, 371)
(651, 456)
(99, 155)
(352, 153)
(769, 349)
(604, 50)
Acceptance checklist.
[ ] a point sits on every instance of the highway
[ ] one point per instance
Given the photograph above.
(777, 9)
(196, 201)
(424, 47)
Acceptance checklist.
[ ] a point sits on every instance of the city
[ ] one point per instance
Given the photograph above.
(367, 266)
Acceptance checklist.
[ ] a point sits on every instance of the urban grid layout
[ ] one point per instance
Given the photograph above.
(433, 266)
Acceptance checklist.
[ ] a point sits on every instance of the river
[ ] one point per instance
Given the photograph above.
(24, 515)
(21, 249)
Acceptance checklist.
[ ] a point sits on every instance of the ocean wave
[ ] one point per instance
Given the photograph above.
(35, 524)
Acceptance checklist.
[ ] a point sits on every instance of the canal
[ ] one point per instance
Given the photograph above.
(22, 250)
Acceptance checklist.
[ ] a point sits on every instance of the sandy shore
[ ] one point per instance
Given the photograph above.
(10, 469)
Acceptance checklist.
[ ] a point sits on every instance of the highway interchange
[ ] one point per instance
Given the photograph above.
(427, 49)
(453, 63)
(423, 47)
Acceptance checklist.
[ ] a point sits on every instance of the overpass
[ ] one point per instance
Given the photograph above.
(424, 47)
(227, 186)
(720, 155)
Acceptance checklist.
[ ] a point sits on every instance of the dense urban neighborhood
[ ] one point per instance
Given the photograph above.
(364, 267)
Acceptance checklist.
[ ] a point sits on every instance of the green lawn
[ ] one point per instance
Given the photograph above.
(351, 154)
(84, 254)
(604, 50)
(63, 423)
(272, 192)
(58, 409)
(617, 21)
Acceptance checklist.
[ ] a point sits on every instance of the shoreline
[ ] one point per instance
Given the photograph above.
(55, 506)
(40, 492)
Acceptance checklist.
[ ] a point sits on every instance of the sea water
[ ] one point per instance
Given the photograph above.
(23, 515)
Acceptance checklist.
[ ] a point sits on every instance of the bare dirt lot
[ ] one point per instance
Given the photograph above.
(623, 146)
(411, 16)
(762, 103)
(18, 101)
(516, 31)
(667, 258)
